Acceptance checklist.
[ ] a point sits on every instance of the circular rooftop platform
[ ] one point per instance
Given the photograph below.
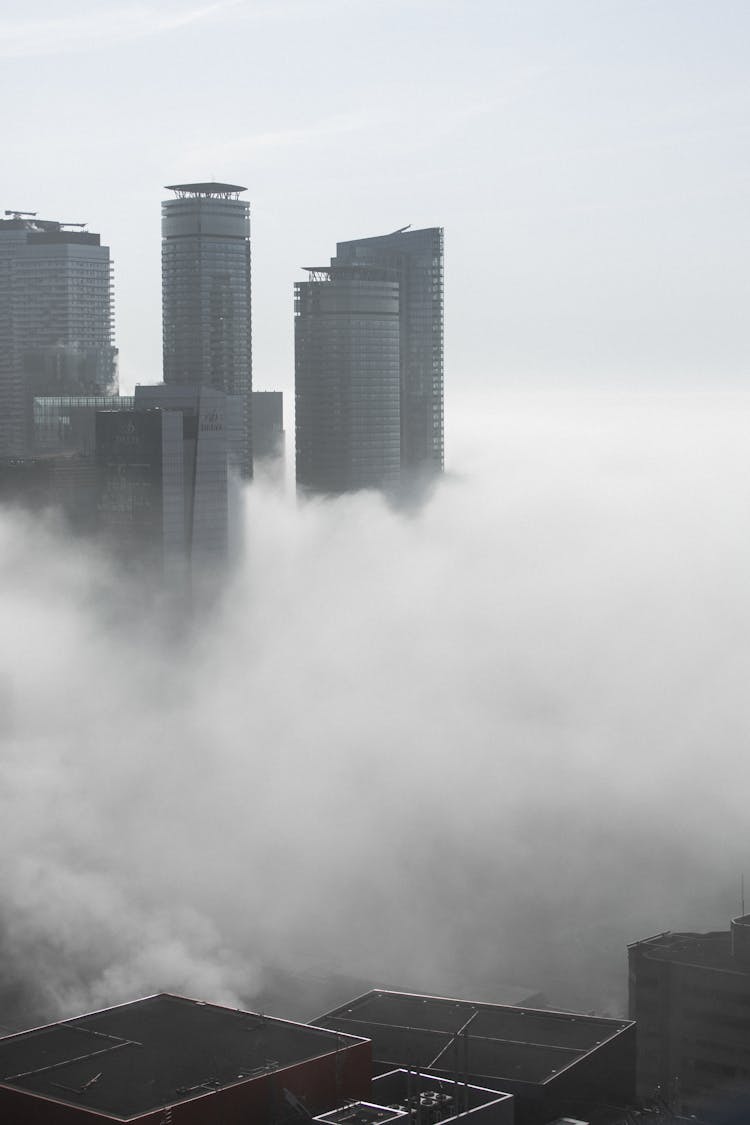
(224, 191)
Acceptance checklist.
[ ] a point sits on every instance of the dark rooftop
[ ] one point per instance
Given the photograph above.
(710, 950)
(155, 1052)
(523, 1044)
(206, 189)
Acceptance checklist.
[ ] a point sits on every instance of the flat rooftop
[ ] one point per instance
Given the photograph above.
(152, 1053)
(520, 1044)
(205, 189)
(708, 950)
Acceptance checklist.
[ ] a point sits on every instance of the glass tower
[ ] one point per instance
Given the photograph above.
(162, 464)
(413, 258)
(347, 380)
(206, 295)
(56, 321)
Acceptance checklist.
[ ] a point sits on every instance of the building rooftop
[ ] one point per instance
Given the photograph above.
(713, 950)
(153, 1053)
(498, 1041)
(224, 191)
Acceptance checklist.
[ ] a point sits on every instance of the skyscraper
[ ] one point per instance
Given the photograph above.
(413, 258)
(206, 295)
(56, 319)
(163, 480)
(347, 380)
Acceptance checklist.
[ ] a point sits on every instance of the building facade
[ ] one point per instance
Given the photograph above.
(690, 996)
(162, 465)
(206, 295)
(56, 320)
(413, 258)
(268, 425)
(347, 380)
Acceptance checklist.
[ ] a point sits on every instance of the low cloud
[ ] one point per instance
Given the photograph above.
(493, 740)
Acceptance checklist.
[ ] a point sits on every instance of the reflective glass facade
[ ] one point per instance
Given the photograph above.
(67, 423)
(206, 296)
(347, 382)
(414, 258)
(163, 480)
(56, 321)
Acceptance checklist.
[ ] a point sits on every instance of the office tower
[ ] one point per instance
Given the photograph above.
(206, 295)
(413, 258)
(56, 323)
(347, 380)
(163, 480)
(268, 425)
(690, 996)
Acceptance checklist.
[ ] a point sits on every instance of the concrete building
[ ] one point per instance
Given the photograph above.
(413, 259)
(163, 480)
(347, 381)
(690, 996)
(268, 425)
(56, 320)
(66, 424)
(169, 1059)
(554, 1063)
(206, 295)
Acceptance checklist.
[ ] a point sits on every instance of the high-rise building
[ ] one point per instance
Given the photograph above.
(162, 468)
(347, 380)
(268, 425)
(413, 258)
(206, 295)
(56, 320)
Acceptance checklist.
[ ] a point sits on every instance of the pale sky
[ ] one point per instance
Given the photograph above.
(587, 158)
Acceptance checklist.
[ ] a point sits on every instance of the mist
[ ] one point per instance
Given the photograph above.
(491, 740)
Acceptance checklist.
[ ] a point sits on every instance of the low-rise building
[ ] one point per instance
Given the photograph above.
(553, 1062)
(166, 1059)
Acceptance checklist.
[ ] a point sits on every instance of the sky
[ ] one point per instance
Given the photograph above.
(588, 160)
(513, 720)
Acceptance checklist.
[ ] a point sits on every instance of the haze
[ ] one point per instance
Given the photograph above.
(588, 160)
(491, 742)
(494, 739)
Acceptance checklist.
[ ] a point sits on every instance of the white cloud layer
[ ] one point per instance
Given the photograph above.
(494, 740)
(99, 27)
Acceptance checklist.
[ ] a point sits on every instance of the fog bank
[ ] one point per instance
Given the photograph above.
(493, 740)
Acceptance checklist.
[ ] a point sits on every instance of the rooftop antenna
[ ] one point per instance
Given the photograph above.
(22, 214)
(742, 893)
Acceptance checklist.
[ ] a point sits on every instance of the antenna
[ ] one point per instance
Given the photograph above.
(742, 893)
